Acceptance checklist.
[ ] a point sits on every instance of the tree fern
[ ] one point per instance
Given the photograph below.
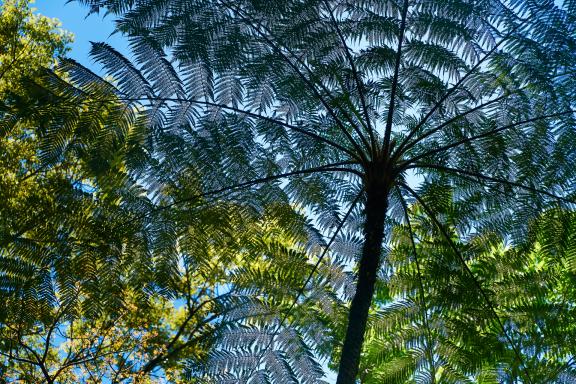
(341, 97)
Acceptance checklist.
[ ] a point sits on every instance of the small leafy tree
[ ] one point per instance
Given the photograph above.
(345, 101)
(433, 326)
(29, 42)
(45, 201)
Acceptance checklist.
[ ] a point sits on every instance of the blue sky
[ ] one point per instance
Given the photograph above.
(85, 29)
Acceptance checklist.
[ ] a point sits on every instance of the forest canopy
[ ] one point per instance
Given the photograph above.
(290, 192)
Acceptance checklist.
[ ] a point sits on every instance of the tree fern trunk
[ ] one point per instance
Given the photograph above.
(375, 211)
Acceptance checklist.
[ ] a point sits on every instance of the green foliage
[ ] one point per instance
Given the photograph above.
(243, 133)
(437, 327)
(28, 42)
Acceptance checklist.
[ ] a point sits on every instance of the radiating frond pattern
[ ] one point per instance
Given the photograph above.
(452, 114)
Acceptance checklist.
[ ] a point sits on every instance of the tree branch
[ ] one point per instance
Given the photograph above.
(39, 363)
(250, 114)
(161, 356)
(61, 312)
(493, 179)
(359, 84)
(394, 86)
(216, 105)
(429, 352)
(330, 168)
(306, 81)
(407, 146)
(486, 134)
(448, 94)
(453, 119)
(10, 356)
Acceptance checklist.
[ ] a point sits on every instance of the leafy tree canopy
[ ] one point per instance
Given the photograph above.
(433, 326)
(28, 41)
